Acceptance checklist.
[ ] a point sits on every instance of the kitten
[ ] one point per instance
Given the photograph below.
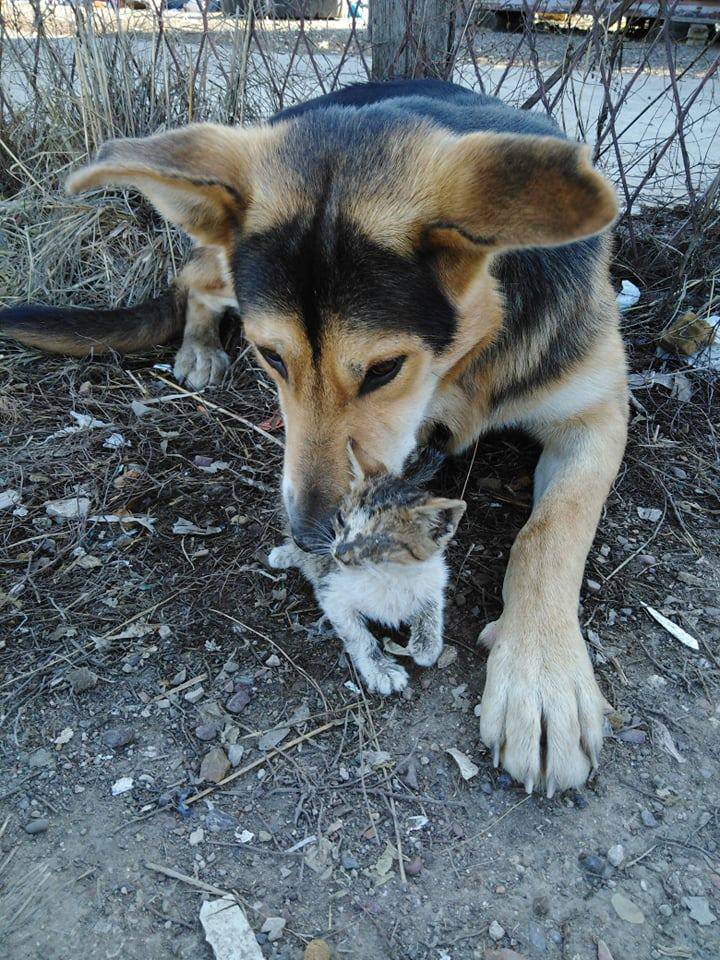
(384, 563)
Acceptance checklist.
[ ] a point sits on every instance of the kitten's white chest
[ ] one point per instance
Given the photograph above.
(388, 593)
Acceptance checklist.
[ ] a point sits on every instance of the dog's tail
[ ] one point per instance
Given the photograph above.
(79, 331)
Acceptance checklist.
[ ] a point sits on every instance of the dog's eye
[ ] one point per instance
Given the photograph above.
(275, 361)
(381, 373)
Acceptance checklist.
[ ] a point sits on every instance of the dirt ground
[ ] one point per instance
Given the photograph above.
(186, 642)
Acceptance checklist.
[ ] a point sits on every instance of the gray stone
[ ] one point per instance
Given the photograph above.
(39, 825)
(41, 758)
(495, 931)
(665, 910)
(206, 731)
(217, 821)
(349, 862)
(235, 754)
(537, 939)
(648, 819)
(238, 701)
(118, 737)
(82, 679)
(214, 766)
(616, 854)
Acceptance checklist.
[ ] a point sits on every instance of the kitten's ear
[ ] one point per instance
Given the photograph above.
(445, 515)
(357, 470)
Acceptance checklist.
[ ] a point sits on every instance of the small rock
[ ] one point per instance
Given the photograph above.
(206, 731)
(217, 821)
(118, 737)
(593, 586)
(238, 701)
(349, 862)
(626, 909)
(264, 836)
(414, 867)
(699, 910)
(272, 661)
(196, 837)
(665, 910)
(495, 931)
(648, 819)
(41, 758)
(195, 694)
(616, 854)
(230, 666)
(123, 785)
(592, 864)
(537, 939)
(272, 738)
(37, 826)
(82, 679)
(541, 906)
(447, 657)
(274, 927)
(235, 754)
(214, 766)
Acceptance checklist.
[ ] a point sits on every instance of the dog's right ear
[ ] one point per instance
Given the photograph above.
(200, 177)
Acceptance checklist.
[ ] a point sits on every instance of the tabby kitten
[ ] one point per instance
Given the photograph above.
(385, 563)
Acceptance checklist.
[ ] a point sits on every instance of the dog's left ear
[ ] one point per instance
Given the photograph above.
(497, 190)
(200, 177)
(445, 516)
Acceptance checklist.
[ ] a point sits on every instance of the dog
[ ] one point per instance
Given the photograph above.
(405, 255)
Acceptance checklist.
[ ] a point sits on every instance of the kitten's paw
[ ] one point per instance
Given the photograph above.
(383, 675)
(282, 557)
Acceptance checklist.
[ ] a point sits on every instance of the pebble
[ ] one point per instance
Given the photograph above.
(349, 862)
(235, 754)
(317, 950)
(214, 766)
(448, 656)
(414, 867)
(41, 758)
(665, 910)
(238, 701)
(82, 679)
(495, 931)
(616, 854)
(626, 909)
(217, 821)
(195, 694)
(230, 666)
(592, 863)
(123, 785)
(541, 906)
(118, 737)
(593, 586)
(39, 825)
(272, 661)
(206, 731)
(274, 927)
(537, 939)
(648, 819)
(196, 837)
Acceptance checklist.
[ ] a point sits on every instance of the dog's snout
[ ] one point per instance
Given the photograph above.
(311, 521)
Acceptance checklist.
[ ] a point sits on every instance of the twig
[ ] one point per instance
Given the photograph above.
(277, 646)
(180, 686)
(278, 751)
(228, 413)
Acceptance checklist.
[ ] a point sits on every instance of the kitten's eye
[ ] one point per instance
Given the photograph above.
(274, 360)
(381, 373)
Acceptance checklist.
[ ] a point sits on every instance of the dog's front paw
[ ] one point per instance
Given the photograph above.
(542, 710)
(382, 675)
(200, 365)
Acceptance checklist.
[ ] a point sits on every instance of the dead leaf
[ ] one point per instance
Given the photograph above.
(447, 657)
(131, 519)
(687, 334)
(666, 741)
(649, 513)
(626, 909)
(185, 527)
(65, 736)
(603, 951)
(673, 629)
(467, 768)
(272, 738)
(395, 649)
(386, 860)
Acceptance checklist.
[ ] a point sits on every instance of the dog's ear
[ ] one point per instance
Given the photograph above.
(444, 515)
(199, 177)
(511, 191)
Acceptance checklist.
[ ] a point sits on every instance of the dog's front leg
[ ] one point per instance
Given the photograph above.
(542, 710)
(201, 360)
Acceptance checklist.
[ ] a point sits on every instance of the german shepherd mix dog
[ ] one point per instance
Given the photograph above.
(406, 255)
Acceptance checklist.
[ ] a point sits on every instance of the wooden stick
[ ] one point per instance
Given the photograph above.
(179, 687)
(224, 410)
(264, 759)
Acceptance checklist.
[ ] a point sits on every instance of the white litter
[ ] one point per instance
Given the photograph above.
(709, 358)
(129, 518)
(8, 498)
(72, 508)
(652, 514)
(83, 421)
(467, 768)
(227, 931)
(116, 441)
(628, 296)
(122, 786)
(673, 629)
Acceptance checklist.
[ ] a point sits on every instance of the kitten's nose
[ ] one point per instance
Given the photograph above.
(341, 551)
